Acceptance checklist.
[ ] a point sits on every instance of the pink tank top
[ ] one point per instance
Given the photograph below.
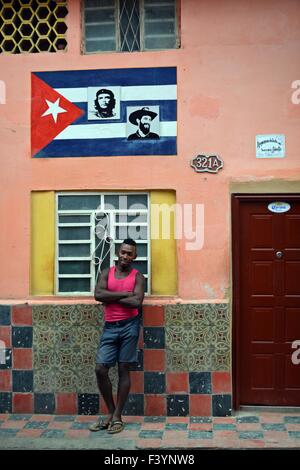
(115, 311)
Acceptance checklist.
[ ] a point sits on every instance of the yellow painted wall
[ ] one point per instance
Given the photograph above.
(42, 243)
(163, 252)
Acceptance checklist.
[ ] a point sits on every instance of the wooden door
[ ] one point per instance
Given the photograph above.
(266, 300)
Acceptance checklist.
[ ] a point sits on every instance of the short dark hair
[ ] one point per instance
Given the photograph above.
(129, 241)
(104, 91)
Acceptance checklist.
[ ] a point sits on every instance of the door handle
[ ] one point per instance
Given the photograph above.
(279, 254)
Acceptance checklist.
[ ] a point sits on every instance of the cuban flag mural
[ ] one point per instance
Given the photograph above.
(87, 113)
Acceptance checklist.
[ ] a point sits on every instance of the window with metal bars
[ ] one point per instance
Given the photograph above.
(32, 26)
(130, 25)
(90, 229)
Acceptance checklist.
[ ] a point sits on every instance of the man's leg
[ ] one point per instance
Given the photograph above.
(128, 341)
(105, 388)
(123, 388)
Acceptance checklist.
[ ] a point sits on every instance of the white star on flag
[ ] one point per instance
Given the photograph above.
(54, 109)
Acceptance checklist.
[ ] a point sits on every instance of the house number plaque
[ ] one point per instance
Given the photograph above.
(207, 163)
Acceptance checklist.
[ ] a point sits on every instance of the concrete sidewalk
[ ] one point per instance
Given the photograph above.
(242, 431)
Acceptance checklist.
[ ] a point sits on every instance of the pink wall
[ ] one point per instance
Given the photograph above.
(236, 64)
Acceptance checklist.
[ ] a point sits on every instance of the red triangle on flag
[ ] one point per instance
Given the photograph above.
(51, 113)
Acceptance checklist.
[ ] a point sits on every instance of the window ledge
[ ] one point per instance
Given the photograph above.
(150, 300)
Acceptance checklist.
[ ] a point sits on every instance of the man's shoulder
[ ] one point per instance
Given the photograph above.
(105, 272)
(140, 276)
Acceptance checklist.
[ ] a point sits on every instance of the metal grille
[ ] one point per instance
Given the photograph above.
(129, 21)
(32, 26)
(130, 25)
(90, 229)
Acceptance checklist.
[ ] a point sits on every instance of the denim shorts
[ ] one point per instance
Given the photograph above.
(118, 343)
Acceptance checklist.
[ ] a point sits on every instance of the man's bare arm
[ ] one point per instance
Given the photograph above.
(102, 294)
(137, 298)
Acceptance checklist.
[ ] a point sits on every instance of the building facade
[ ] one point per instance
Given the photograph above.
(212, 197)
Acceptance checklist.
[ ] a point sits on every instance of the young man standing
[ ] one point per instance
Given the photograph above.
(121, 289)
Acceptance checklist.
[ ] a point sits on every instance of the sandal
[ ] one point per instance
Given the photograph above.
(99, 425)
(115, 427)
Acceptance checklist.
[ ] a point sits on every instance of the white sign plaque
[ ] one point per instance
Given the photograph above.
(279, 207)
(270, 146)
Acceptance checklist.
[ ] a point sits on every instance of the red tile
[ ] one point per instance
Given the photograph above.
(22, 358)
(60, 425)
(42, 418)
(153, 315)
(30, 432)
(271, 418)
(280, 445)
(148, 443)
(178, 419)
(248, 427)
(137, 382)
(253, 443)
(231, 443)
(225, 434)
(141, 339)
(133, 419)
(86, 418)
(155, 405)
(22, 403)
(66, 403)
(224, 420)
(153, 426)
(275, 436)
(5, 380)
(5, 336)
(292, 426)
(22, 315)
(13, 424)
(177, 382)
(204, 443)
(200, 426)
(155, 360)
(221, 382)
(200, 405)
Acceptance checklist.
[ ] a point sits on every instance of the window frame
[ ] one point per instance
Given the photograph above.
(142, 31)
(91, 224)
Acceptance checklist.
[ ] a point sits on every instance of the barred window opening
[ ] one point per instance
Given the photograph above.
(130, 25)
(90, 229)
(33, 26)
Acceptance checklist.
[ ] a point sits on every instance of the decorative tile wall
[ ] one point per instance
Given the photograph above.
(198, 337)
(64, 347)
(183, 367)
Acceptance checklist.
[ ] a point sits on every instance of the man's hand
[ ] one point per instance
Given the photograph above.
(137, 297)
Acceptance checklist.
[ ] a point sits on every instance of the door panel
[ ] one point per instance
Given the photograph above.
(263, 324)
(292, 277)
(267, 300)
(262, 278)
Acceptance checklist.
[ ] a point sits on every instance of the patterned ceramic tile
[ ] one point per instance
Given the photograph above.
(197, 337)
(67, 315)
(64, 348)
